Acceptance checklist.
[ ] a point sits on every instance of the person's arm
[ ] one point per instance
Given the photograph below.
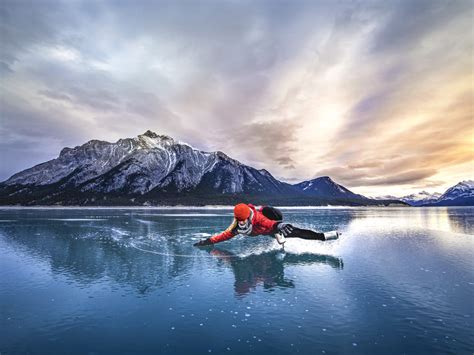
(227, 234)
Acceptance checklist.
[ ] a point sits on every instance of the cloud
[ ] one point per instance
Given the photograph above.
(430, 184)
(355, 178)
(371, 93)
(410, 22)
(286, 162)
(366, 164)
(271, 142)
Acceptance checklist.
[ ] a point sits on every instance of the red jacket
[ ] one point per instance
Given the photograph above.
(260, 225)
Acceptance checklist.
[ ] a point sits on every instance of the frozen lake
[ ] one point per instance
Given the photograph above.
(400, 280)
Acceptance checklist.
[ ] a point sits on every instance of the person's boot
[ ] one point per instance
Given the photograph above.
(332, 235)
(280, 238)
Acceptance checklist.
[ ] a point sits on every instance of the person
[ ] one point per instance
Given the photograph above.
(265, 221)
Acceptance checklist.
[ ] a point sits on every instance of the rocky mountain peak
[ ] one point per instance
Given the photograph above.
(325, 179)
(150, 140)
(153, 135)
(150, 134)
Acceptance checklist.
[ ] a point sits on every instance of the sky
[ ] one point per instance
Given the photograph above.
(378, 95)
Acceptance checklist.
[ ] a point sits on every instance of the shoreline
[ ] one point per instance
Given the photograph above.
(179, 207)
(209, 207)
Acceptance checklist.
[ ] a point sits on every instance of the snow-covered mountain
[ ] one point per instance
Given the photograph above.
(461, 194)
(156, 169)
(94, 158)
(325, 187)
(147, 164)
(420, 198)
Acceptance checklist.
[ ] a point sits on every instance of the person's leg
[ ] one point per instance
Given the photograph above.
(305, 234)
(272, 213)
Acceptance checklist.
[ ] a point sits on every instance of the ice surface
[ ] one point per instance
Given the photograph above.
(396, 279)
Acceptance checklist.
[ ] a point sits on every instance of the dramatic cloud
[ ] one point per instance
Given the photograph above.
(378, 95)
(269, 142)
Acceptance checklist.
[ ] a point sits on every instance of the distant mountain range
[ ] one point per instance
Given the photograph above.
(154, 169)
(461, 194)
(417, 199)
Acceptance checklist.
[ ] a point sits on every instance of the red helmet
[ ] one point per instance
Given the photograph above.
(241, 212)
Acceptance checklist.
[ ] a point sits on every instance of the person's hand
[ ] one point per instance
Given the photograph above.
(203, 243)
(285, 228)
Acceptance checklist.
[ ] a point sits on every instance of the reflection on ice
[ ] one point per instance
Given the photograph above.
(267, 269)
(452, 220)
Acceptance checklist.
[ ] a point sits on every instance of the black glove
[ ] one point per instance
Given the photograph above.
(203, 243)
(285, 228)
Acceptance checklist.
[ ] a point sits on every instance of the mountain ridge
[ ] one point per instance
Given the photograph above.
(156, 169)
(461, 194)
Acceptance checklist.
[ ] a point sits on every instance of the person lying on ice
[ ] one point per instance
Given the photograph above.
(267, 221)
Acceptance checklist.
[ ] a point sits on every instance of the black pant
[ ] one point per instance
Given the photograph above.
(275, 215)
(305, 234)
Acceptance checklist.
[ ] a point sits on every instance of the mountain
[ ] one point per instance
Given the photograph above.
(153, 169)
(420, 198)
(325, 187)
(461, 194)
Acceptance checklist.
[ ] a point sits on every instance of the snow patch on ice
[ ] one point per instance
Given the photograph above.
(202, 235)
(119, 231)
(76, 219)
(144, 221)
(301, 246)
